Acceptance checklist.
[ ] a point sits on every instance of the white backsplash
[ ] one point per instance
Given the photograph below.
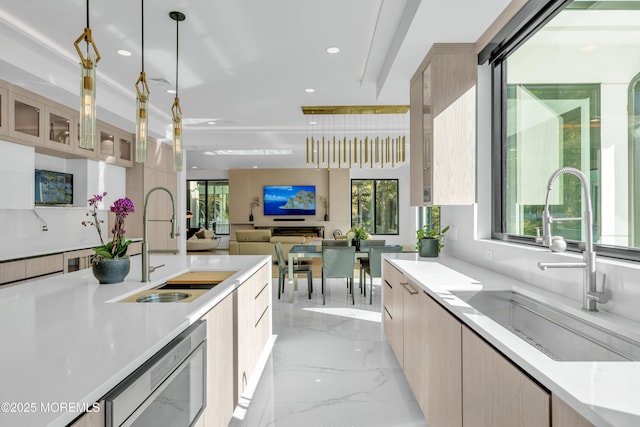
(22, 230)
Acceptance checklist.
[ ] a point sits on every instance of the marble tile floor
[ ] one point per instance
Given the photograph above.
(331, 366)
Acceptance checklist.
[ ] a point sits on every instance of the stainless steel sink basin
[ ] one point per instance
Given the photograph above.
(559, 335)
(163, 297)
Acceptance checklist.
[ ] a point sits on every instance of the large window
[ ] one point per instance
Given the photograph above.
(374, 204)
(208, 203)
(567, 94)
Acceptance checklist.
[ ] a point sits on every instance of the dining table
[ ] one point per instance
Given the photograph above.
(298, 252)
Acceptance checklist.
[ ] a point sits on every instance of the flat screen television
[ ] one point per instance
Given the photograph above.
(53, 188)
(289, 199)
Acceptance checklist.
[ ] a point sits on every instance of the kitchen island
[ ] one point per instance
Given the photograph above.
(67, 341)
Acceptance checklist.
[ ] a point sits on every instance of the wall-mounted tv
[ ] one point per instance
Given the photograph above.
(53, 188)
(289, 199)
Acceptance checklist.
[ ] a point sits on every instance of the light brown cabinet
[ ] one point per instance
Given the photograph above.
(441, 399)
(26, 118)
(219, 368)
(157, 171)
(496, 393)
(562, 415)
(442, 127)
(78, 260)
(394, 309)
(60, 131)
(253, 324)
(414, 320)
(53, 129)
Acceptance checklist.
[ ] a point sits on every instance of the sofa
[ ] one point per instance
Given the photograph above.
(202, 240)
(261, 242)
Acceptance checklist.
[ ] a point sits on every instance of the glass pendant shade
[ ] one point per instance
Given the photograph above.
(142, 89)
(177, 136)
(88, 103)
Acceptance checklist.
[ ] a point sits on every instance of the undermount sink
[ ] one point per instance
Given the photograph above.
(163, 297)
(559, 335)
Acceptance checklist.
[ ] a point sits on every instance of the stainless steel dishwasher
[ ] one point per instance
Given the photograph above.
(167, 390)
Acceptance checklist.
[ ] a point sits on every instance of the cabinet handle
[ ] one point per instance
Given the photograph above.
(409, 288)
(388, 284)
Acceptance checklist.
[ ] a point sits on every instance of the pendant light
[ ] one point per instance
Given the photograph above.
(87, 87)
(142, 90)
(176, 110)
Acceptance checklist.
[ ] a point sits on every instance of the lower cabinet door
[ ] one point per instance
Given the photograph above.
(496, 393)
(441, 400)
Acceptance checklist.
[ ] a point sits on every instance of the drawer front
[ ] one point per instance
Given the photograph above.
(12, 271)
(44, 265)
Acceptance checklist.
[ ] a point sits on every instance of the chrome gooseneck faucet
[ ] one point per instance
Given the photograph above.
(590, 296)
(146, 268)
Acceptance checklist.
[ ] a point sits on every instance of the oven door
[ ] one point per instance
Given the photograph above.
(169, 390)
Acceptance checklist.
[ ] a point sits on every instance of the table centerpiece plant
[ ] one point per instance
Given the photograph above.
(356, 234)
(110, 261)
(430, 240)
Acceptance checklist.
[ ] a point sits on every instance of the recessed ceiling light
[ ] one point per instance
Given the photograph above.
(171, 91)
(123, 52)
(255, 167)
(313, 123)
(309, 90)
(211, 122)
(333, 49)
(194, 167)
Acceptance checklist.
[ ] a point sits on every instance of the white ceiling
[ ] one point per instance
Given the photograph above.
(244, 64)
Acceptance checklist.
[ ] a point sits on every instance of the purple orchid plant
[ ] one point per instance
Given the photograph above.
(117, 246)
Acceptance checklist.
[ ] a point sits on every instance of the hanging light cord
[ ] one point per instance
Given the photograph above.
(177, 54)
(142, 26)
(87, 27)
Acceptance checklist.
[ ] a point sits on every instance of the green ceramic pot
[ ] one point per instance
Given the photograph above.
(110, 270)
(429, 248)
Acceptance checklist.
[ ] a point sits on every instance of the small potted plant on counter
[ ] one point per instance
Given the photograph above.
(110, 263)
(430, 240)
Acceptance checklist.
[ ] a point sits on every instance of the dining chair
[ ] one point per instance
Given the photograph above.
(364, 262)
(283, 270)
(338, 262)
(374, 268)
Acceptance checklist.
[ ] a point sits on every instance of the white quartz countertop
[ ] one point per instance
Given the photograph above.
(66, 342)
(605, 393)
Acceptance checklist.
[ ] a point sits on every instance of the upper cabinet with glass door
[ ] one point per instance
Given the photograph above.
(26, 118)
(443, 126)
(59, 125)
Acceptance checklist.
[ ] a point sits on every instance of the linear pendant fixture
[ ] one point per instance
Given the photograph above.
(176, 110)
(142, 91)
(88, 65)
(363, 131)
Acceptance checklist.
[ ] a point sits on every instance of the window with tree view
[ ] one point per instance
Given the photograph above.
(208, 203)
(374, 205)
(570, 97)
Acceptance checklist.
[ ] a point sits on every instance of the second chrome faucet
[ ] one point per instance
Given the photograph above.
(590, 296)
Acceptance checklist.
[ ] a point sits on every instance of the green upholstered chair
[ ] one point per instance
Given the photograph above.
(374, 268)
(297, 269)
(338, 262)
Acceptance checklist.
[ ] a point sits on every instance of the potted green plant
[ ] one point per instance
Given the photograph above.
(430, 240)
(110, 263)
(356, 234)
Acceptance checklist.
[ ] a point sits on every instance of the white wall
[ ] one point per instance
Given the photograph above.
(473, 244)
(23, 230)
